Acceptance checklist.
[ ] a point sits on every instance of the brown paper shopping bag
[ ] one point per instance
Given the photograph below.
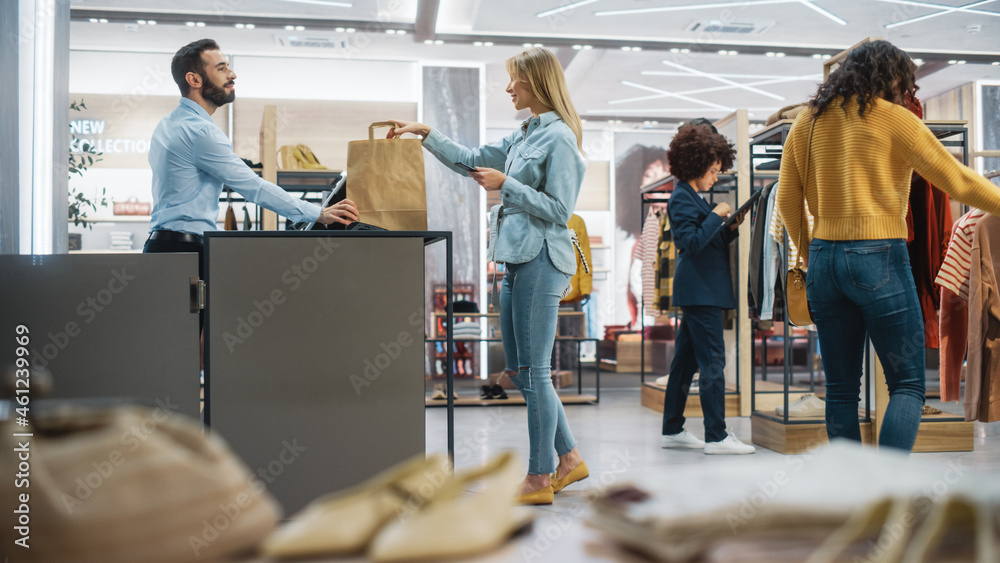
(385, 178)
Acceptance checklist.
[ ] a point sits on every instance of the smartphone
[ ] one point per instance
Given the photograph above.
(465, 167)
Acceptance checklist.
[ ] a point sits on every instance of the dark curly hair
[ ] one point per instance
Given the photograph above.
(695, 148)
(876, 69)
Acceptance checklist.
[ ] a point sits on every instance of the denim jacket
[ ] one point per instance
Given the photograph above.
(544, 172)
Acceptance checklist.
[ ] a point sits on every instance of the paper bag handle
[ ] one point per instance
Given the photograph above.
(371, 128)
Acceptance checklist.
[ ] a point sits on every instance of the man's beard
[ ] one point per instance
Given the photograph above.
(215, 94)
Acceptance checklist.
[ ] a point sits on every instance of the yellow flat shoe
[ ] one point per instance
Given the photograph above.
(310, 159)
(346, 522)
(578, 473)
(457, 523)
(541, 496)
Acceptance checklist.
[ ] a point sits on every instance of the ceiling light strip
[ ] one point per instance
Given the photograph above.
(687, 7)
(826, 13)
(945, 10)
(728, 75)
(569, 6)
(323, 3)
(782, 80)
(672, 94)
(723, 80)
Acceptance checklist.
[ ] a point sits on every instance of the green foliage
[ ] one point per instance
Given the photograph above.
(79, 162)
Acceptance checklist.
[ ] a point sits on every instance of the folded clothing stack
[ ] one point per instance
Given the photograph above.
(468, 329)
(121, 240)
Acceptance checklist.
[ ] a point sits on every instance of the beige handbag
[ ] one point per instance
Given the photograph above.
(796, 302)
(127, 485)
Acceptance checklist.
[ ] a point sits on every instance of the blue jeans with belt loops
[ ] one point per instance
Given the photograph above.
(864, 287)
(529, 304)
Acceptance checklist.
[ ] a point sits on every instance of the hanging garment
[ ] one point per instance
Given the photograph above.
(954, 327)
(930, 209)
(772, 289)
(646, 254)
(666, 261)
(982, 380)
(954, 272)
(757, 241)
(247, 225)
(953, 316)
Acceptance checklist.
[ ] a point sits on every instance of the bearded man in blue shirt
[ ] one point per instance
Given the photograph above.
(191, 159)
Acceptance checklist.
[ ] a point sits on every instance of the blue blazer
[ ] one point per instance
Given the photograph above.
(701, 275)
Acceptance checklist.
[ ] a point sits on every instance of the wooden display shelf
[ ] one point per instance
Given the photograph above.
(652, 397)
(944, 432)
(771, 433)
(512, 400)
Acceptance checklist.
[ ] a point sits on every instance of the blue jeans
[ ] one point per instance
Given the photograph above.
(866, 287)
(699, 343)
(529, 304)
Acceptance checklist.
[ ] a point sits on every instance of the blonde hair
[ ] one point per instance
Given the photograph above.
(542, 71)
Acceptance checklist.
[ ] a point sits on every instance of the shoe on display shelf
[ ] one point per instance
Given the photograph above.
(662, 380)
(683, 440)
(485, 392)
(731, 445)
(497, 392)
(807, 405)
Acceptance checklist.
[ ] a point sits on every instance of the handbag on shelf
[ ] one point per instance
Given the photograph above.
(796, 301)
(125, 484)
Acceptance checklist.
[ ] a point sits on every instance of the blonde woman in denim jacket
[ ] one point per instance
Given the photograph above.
(538, 170)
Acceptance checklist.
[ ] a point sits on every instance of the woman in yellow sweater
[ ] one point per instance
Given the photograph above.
(850, 157)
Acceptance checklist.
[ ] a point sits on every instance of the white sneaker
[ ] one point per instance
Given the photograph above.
(730, 446)
(806, 405)
(683, 440)
(662, 380)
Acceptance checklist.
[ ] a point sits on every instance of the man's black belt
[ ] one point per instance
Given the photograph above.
(175, 236)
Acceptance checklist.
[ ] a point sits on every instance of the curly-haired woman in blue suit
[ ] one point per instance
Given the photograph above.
(703, 289)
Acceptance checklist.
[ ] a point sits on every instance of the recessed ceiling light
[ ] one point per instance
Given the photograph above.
(477, 43)
(734, 52)
(826, 57)
(961, 62)
(487, 43)
(339, 30)
(141, 22)
(995, 63)
(918, 62)
(439, 41)
(538, 45)
(390, 32)
(675, 50)
(239, 26)
(400, 32)
(103, 20)
(526, 45)
(150, 22)
(769, 54)
(952, 61)
(191, 24)
(289, 28)
(428, 41)
(350, 30)
(251, 26)
(587, 47)
(200, 24)
(779, 54)
(577, 47)
(626, 48)
(685, 50)
(300, 28)
(94, 20)
(723, 52)
(817, 56)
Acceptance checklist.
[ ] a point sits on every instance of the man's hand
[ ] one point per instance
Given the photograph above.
(722, 210)
(407, 127)
(344, 212)
(491, 180)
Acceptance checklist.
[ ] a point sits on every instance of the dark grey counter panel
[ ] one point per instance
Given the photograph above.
(107, 325)
(314, 356)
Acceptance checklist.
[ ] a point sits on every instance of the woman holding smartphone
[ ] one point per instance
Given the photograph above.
(538, 170)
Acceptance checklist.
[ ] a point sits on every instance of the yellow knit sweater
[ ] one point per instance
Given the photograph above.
(858, 184)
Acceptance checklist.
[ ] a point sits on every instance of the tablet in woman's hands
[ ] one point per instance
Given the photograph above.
(465, 167)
